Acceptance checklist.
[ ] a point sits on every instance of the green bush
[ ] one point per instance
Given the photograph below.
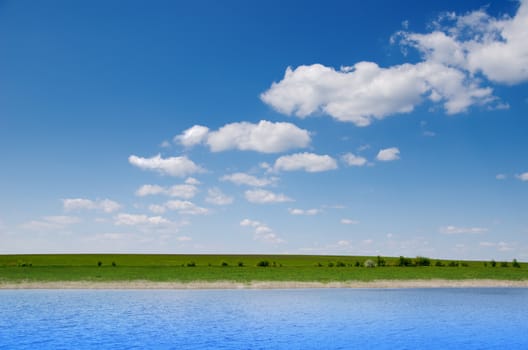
(240, 264)
(453, 264)
(504, 264)
(114, 264)
(422, 261)
(403, 261)
(224, 264)
(357, 264)
(439, 263)
(340, 264)
(99, 263)
(191, 264)
(515, 263)
(493, 263)
(330, 264)
(381, 261)
(263, 263)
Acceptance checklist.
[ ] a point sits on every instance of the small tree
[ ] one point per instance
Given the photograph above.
(422, 261)
(369, 263)
(263, 263)
(515, 263)
(493, 263)
(381, 261)
(114, 264)
(99, 263)
(240, 264)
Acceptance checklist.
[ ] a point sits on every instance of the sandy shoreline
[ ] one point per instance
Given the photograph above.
(379, 284)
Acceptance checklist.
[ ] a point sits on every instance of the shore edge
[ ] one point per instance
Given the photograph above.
(377, 284)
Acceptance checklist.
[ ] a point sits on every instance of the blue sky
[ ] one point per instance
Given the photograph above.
(270, 127)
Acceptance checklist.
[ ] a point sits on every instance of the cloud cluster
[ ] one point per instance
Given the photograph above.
(51, 223)
(105, 205)
(173, 166)
(124, 219)
(295, 211)
(217, 197)
(263, 137)
(351, 159)
(309, 162)
(262, 232)
(454, 54)
(388, 154)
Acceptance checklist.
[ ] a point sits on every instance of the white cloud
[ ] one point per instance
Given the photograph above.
(186, 207)
(265, 137)
(263, 197)
(309, 162)
(262, 232)
(157, 209)
(365, 91)
(388, 154)
(353, 160)
(150, 190)
(455, 55)
(478, 42)
(105, 205)
(181, 191)
(217, 197)
(173, 166)
(183, 238)
(462, 230)
(192, 181)
(343, 243)
(295, 211)
(124, 219)
(349, 222)
(502, 176)
(193, 136)
(51, 223)
(249, 180)
(522, 177)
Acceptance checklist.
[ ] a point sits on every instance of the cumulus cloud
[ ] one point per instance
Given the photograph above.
(264, 137)
(523, 176)
(462, 230)
(105, 205)
(262, 232)
(365, 91)
(186, 207)
(351, 159)
(388, 154)
(173, 166)
(295, 211)
(309, 162)
(157, 209)
(124, 219)
(349, 222)
(478, 43)
(181, 191)
(455, 55)
(263, 197)
(193, 136)
(217, 197)
(249, 180)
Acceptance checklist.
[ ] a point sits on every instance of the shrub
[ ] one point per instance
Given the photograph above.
(369, 263)
(381, 261)
(99, 263)
(240, 264)
(464, 264)
(357, 264)
(514, 263)
(319, 264)
(263, 263)
(405, 261)
(224, 264)
(504, 264)
(422, 261)
(274, 264)
(493, 263)
(439, 263)
(191, 264)
(114, 264)
(330, 264)
(453, 264)
(340, 264)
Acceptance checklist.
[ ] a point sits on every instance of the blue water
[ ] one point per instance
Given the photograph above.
(265, 319)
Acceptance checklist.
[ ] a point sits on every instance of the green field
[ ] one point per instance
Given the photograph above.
(242, 268)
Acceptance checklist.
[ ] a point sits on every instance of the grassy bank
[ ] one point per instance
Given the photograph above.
(244, 268)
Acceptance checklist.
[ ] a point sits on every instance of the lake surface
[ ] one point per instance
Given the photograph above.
(491, 318)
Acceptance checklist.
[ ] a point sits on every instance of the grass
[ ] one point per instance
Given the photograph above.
(186, 268)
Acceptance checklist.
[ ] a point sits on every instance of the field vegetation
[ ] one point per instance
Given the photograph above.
(245, 268)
